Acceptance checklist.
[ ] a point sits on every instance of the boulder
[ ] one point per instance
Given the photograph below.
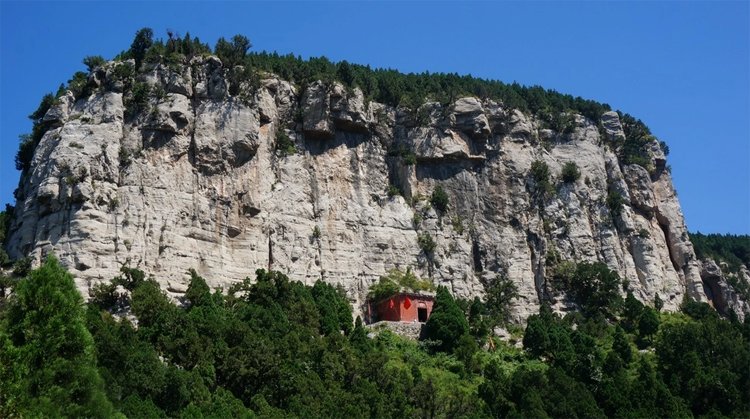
(348, 111)
(316, 116)
(469, 117)
(639, 187)
(612, 126)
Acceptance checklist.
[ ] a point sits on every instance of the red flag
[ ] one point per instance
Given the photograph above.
(390, 303)
(407, 303)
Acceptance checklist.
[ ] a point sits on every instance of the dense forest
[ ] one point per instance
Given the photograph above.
(734, 249)
(271, 347)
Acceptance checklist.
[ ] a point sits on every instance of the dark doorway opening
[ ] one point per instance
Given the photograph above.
(422, 314)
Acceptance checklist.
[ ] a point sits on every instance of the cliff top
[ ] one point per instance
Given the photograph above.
(390, 87)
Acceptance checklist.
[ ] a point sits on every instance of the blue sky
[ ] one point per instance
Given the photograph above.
(681, 67)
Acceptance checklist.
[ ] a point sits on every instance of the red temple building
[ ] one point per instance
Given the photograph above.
(402, 307)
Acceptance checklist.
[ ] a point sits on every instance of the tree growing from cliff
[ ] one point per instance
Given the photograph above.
(28, 142)
(93, 61)
(232, 52)
(570, 172)
(6, 217)
(143, 40)
(541, 175)
(615, 202)
(439, 199)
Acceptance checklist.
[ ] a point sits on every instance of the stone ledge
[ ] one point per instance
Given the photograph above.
(411, 330)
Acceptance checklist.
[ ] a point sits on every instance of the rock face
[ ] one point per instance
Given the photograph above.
(723, 295)
(195, 181)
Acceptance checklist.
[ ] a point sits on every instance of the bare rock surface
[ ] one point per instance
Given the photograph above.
(196, 181)
(724, 297)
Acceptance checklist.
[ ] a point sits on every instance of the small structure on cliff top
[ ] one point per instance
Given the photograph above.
(401, 307)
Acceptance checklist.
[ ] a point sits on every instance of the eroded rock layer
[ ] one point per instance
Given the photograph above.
(196, 180)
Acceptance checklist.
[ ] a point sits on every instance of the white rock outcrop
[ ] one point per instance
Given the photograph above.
(196, 182)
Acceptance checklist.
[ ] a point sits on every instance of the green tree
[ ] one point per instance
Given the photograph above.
(658, 303)
(93, 61)
(648, 324)
(706, 361)
(358, 338)
(439, 199)
(498, 295)
(621, 346)
(447, 322)
(6, 217)
(198, 293)
(333, 307)
(478, 324)
(232, 52)
(631, 312)
(6, 284)
(105, 296)
(427, 243)
(541, 175)
(594, 286)
(570, 172)
(28, 142)
(143, 40)
(536, 338)
(284, 145)
(131, 278)
(615, 202)
(649, 396)
(547, 336)
(55, 368)
(540, 171)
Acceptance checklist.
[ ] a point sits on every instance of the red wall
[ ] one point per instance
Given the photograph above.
(383, 311)
(399, 312)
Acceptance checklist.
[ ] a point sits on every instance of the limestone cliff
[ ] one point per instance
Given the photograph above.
(194, 179)
(725, 297)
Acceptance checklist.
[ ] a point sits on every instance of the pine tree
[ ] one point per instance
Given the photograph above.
(447, 322)
(55, 371)
(648, 323)
(143, 40)
(621, 346)
(358, 338)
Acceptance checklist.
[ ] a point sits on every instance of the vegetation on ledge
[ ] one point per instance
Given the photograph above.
(731, 249)
(244, 70)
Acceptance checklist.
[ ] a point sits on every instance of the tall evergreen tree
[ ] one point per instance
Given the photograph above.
(143, 40)
(55, 371)
(447, 322)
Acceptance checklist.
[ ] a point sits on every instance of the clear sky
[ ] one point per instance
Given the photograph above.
(681, 67)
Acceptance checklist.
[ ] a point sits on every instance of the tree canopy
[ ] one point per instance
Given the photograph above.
(50, 365)
(272, 347)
